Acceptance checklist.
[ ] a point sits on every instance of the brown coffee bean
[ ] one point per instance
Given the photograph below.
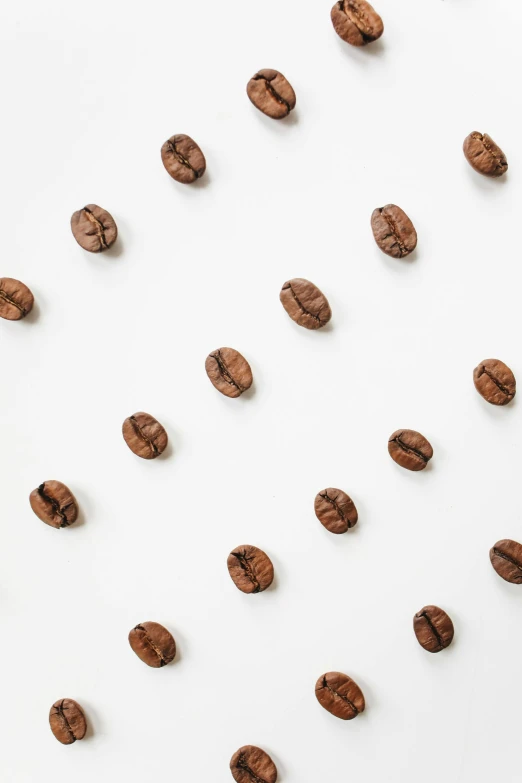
(229, 372)
(250, 569)
(340, 695)
(153, 644)
(54, 504)
(252, 765)
(305, 304)
(67, 721)
(94, 228)
(356, 22)
(16, 300)
(495, 381)
(271, 93)
(183, 159)
(410, 449)
(433, 629)
(506, 559)
(145, 436)
(335, 510)
(393, 231)
(484, 155)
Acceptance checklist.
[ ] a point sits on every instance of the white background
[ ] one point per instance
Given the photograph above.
(89, 94)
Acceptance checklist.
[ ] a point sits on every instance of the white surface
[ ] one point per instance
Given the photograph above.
(89, 95)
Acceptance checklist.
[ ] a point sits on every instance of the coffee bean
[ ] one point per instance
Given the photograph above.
(153, 644)
(356, 22)
(183, 159)
(335, 510)
(250, 569)
(54, 504)
(229, 372)
(145, 436)
(484, 155)
(67, 721)
(340, 695)
(94, 228)
(410, 449)
(305, 304)
(393, 231)
(16, 300)
(252, 765)
(495, 381)
(506, 559)
(271, 93)
(433, 629)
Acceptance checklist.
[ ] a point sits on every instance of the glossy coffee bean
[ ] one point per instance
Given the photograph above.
(94, 228)
(356, 22)
(410, 449)
(495, 381)
(340, 695)
(393, 231)
(16, 300)
(67, 721)
(252, 765)
(250, 569)
(506, 559)
(229, 372)
(484, 155)
(153, 644)
(305, 303)
(145, 436)
(183, 159)
(433, 629)
(54, 504)
(271, 93)
(335, 510)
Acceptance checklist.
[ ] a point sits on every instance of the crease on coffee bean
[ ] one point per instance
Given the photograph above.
(509, 559)
(5, 296)
(242, 764)
(151, 644)
(225, 372)
(393, 227)
(59, 510)
(60, 710)
(339, 695)
(98, 227)
(301, 306)
(500, 159)
(410, 449)
(181, 158)
(433, 629)
(273, 92)
(359, 16)
(142, 435)
(498, 384)
(249, 571)
(337, 507)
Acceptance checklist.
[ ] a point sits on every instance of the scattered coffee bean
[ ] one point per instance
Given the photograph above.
(67, 721)
(495, 381)
(506, 559)
(410, 449)
(145, 436)
(250, 569)
(153, 644)
(271, 93)
(16, 300)
(252, 765)
(183, 159)
(335, 510)
(433, 629)
(54, 504)
(94, 228)
(340, 695)
(393, 231)
(305, 304)
(356, 22)
(229, 372)
(484, 155)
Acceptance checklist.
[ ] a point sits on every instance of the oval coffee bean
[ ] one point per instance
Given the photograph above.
(145, 436)
(271, 93)
(183, 159)
(16, 300)
(153, 644)
(229, 372)
(506, 559)
(67, 721)
(305, 303)
(250, 569)
(252, 765)
(340, 695)
(393, 231)
(356, 22)
(484, 155)
(433, 629)
(94, 228)
(410, 449)
(54, 504)
(495, 381)
(335, 510)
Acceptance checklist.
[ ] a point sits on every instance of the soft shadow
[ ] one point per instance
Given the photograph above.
(367, 691)
(362, 54)
(276, 580)
(249, 393)
(289, 121)
(181, 644)
(116, 250)
(82, 504)
(34, 315)
(92, 718)
(169, 451)
(495, 411)
(483, 182)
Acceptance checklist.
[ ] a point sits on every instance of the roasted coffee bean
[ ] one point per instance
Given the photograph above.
(335, 510)
(340, 695)
(506, 559)
(54, 504)
(153, 644)
(356, 22)
(145, 436)
(433, 629)
(94, 228)
(252, 765)
(305, 304)
(16, 300)
(484, 155)
(229, 372)
(250, 569)
(410, 449)
(393, 231)
(495, 381)
(67, 721)
(183, 159)
(271, 93)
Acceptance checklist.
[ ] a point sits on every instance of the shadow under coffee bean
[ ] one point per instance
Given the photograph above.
(67, 721)
(250, 764)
